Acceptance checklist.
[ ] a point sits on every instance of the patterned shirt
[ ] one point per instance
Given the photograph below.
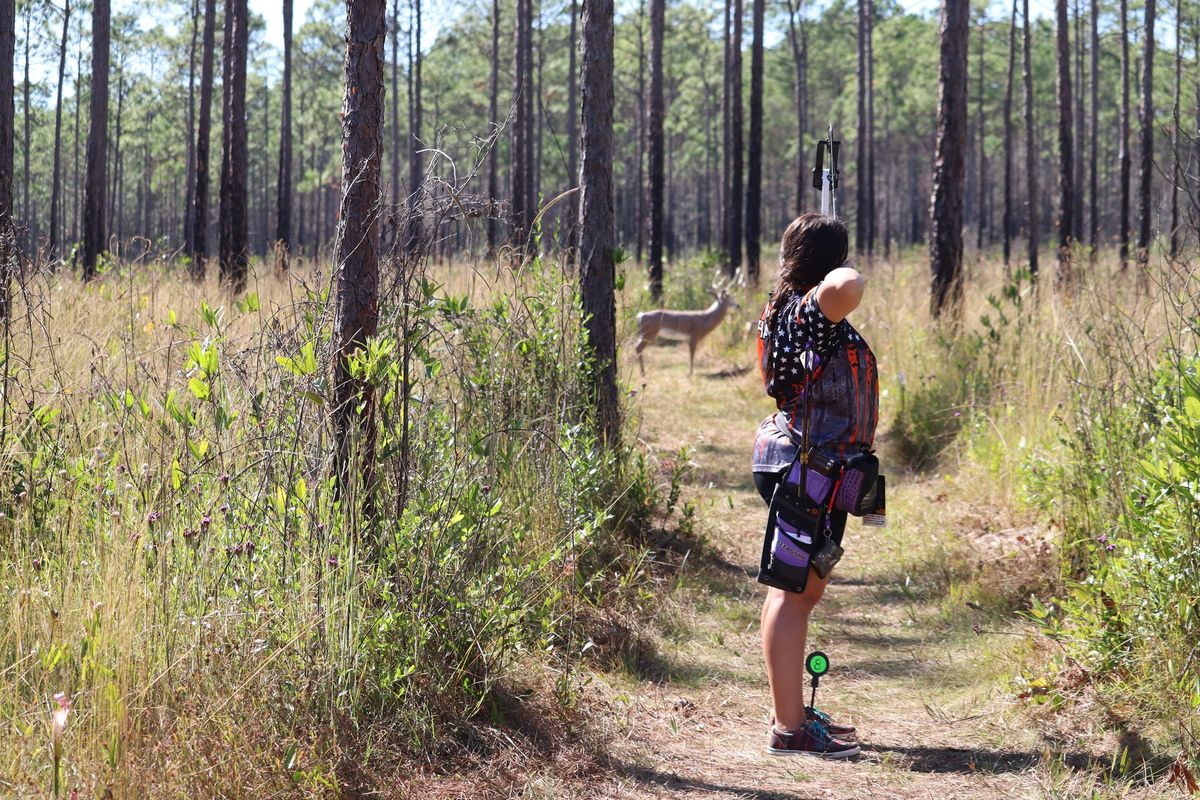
(804, 348)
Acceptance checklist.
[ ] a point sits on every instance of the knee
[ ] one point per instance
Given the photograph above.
(792, 603)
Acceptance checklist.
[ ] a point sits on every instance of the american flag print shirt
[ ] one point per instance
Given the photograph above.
(803, 350)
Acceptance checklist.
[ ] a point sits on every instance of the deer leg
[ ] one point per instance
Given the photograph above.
(691, 354)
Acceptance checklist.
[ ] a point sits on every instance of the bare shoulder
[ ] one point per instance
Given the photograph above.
(840, 293)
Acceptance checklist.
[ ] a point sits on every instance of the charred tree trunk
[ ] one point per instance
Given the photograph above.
(799, 40)
(522, 168)
(95, 183)
(1008, 137)
(357, 313)
(754, 176)
(657, 113)
(596, 243)
(198, 246)
(1123, 156)
(1147, 148)
(189, 192)
(234, 152)
(1066, 154)
(1094, 130)
(493, 118)
(639, 195)
(1031, 182)
(8, 48)
(573, 133)
(416, 168)
(283, 188)
(1176, 167)
(946, 207)
(980, 131)
(860, 183)
(735, 143)
(55, 182)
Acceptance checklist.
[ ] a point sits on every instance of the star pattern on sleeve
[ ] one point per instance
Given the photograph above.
(803, 337)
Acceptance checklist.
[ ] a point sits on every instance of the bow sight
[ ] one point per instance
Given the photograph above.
(825, 178)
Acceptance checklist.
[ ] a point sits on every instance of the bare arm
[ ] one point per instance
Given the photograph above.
(840, 293)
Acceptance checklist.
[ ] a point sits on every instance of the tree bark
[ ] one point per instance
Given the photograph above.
(26, 118)
(980, 131)
(55, 182)
(493, 118)
(416, 168)
(735, 143)
(1176, 167)
(860, 183)
(234, 152)
(8, 47)
(946, 207)
(1066, 154)
(655, 135)
(1008, 138)
(95, 182)
(1123, 155)
(799, 40)
(1031, 181)
(639, 195)
(1094, 130)
(520, 156)
(357, 312)
(754, 176)
(198, 246)
(283, 188)
(1147, 149)
(572, 133)
(596, 243)
(190, 182)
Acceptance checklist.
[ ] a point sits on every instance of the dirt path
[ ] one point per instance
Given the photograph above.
(931, 697)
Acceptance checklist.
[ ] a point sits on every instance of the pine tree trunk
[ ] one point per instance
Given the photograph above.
(8, 47)
(521, 168)
(416, 167)
(1176, 167)
(94, 228)
(655, 135)
(870, 165)
(981, 187)
(26, 210)
(639, 195)
(1031, 181)
(754, 175)
(736, 144)
(493, 117)
(1066, 154)
(190, 182)
(799, 42)
(114, 220)
(596, 243)
(1123, 156)
(1008, 138)
(234, 152)
(572, 133)
(1147, 149)
(1094, 130)
(55, 182)
(357, 312)
(946, 207)
(198, 246)
(860, 183)
(283, 188)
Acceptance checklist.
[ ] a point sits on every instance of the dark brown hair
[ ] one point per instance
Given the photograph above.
(812, 246)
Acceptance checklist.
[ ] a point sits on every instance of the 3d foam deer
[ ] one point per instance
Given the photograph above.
(695, 325)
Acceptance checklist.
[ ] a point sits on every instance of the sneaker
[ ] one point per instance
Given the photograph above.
(811, 740)
(837, 731)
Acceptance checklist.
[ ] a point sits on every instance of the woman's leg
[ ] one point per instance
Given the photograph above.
(784, 626)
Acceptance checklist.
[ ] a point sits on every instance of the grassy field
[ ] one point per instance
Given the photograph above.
(221, 622)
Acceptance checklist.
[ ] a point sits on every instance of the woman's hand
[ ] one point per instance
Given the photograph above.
(840, 293)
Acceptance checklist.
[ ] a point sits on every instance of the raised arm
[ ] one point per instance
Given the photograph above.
(840, 293)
